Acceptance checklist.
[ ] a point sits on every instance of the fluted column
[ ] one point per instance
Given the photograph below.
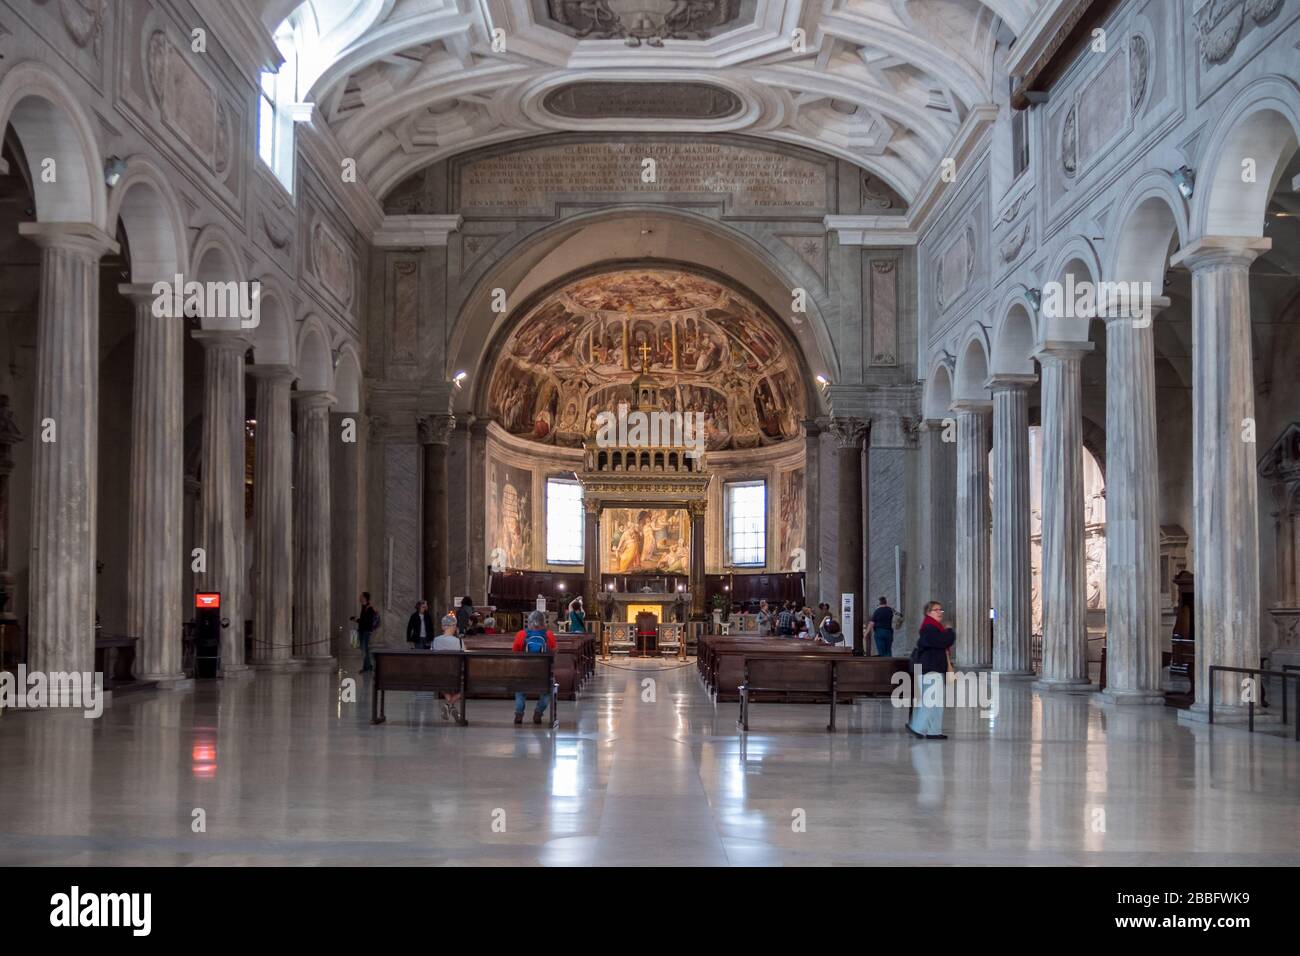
(311, 528)
(1224, 453)
(221, 518)
(591, 556)
(938, 441)
(972, 533)
(849, 433)
(476, 495)
(697, 510)
(1011, 558)
(435, 432)
(812, 527)
(65, 447)
(1065, 587)
(155, 560)
(273, 599)
(1133, 639)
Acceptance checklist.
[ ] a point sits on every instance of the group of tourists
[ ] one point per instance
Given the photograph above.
(788, 619)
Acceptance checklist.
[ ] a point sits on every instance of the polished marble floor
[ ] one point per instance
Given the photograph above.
(638, 774)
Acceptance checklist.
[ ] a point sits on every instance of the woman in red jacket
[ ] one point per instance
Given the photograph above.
(932, 654)
(533, 639)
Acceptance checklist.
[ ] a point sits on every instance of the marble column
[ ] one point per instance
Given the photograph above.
(1064, 572)
(435, 432)
(311, 528)
(1224, 452)
(1133, 638)
(1012, 624)
(971, 619)
(939, 516)
(273, 518)
(155, 557)
(476, 495)
(61, 590)
(221, 464)
(697, 510)
(345, 497)
(812, 536)
(591, 557)
(849, 434)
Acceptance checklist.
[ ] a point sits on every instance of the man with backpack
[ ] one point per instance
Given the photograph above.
(533, 639)
(785, 621)
(367, 623)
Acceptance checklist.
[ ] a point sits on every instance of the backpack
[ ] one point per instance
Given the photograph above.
(535, 642)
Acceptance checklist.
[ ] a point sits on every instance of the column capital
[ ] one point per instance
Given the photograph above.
(436, 429)
(406, 232)
(697, 509)
(1054, 352)
(591, 505)
(1117, 305)
(137, 293)
(973, 406)
(274, 374)
(848, 432)
(219, 341)
(80, 237)
(1211, 251)
(313, 400)
(1003, 382)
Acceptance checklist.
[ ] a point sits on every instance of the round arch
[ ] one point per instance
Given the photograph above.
(51, 125)
(1076, 262)
(644, 236)
(938, 391)
(1156, 217)
(347, 381)
(1014, 335)
(315, 366)
(972, 371)
(1261, 124)
(150, 213)
(273, 337)
(215, 258)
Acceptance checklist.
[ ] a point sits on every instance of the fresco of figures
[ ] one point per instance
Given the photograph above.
(708, 348)
(790, 498)
(645, 541)
(510, 516)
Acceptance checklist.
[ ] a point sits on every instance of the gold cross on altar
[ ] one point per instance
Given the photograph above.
(645, 355)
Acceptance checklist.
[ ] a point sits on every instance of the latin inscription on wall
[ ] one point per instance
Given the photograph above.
(756, 181)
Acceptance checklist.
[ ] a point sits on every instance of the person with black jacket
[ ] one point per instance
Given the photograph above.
(419, 628)
(367, 623)
(465, 615)
(931, 657)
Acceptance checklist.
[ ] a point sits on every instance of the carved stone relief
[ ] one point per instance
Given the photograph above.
(635, 21)
(406, 305)
(84, 22)
(884, 312)
(333, 263)
(1139, 61)
(1220, 22)
(1009, 251)
(1070, 143)
(189, 104)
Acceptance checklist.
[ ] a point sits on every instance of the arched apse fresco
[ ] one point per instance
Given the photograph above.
(709, 348)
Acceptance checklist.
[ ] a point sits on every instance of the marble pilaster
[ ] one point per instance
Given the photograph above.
(971, 620)
(1133, 638)
(154, 549)
(812, 511)
(61, 590)
(435, 432)
(1224, 479)
(1012, 623)
(221, 515)
(345, 490)
(1064, 580)
(697, 511)
(273, 599)
(476, 493)
(849, 434)
(311, 528)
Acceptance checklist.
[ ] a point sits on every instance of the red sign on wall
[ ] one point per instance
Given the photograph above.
(207, 599)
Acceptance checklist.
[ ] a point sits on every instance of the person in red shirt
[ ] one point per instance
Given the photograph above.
(535, 638)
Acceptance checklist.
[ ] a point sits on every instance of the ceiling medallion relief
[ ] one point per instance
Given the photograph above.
(646, 21)
(593, 99)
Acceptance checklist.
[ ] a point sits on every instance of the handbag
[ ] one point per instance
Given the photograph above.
(354, 640)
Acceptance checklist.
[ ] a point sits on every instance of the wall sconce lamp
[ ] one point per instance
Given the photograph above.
(1184, 178)
(114, 167)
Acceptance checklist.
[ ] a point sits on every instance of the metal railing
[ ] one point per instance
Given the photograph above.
(1288, 672)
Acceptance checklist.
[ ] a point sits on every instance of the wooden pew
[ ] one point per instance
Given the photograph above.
(813, 678)
(575, 657)
(473, 673)
(414, 670)
(728, 665)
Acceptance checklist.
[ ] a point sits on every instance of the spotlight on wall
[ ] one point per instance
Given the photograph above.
(1184, 178)
(114, 167)
(336, 356)
(1035, 297)
(459, 378)
(823, 381)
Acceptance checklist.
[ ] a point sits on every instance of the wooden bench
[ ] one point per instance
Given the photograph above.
(813, 678)
(728, 660)
(473, 673)
(575, 657)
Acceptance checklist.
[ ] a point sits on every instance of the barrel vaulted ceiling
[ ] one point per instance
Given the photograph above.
(885, 84)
